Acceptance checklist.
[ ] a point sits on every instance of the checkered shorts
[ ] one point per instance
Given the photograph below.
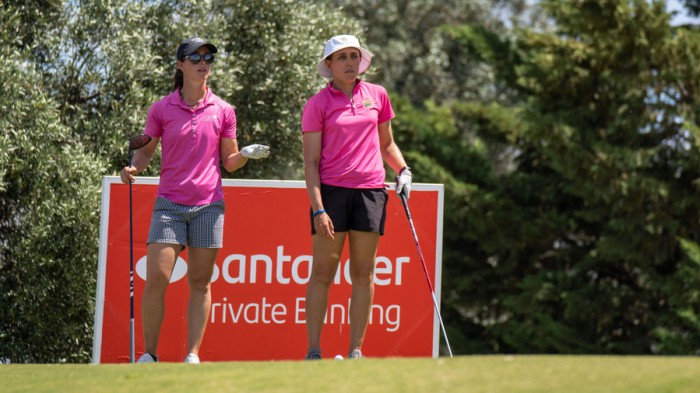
(194, 226)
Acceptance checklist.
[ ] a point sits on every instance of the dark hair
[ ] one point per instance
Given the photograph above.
(178, 80)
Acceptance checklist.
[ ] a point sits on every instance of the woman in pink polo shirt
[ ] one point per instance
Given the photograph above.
(347, 137)
(197, 132)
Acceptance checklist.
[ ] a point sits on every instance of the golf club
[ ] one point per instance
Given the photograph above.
(135, 143)
(425, 269)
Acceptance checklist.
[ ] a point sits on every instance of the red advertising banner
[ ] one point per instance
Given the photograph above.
(259, 282)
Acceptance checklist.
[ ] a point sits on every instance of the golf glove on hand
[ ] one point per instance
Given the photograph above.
(403, 182)
(255, 151)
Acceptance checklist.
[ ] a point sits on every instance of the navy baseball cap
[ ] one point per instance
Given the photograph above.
(190, 45)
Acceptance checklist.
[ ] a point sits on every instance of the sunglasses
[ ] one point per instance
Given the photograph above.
(195, 58)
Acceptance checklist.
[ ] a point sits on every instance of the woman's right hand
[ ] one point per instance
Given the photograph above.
(127, 174)
(324, 225)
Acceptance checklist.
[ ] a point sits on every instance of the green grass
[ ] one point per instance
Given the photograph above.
(492, 374)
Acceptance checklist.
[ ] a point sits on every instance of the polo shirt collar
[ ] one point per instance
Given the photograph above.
(176, 98)
(333, 90)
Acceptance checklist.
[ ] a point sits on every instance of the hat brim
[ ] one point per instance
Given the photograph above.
(190, 50)
(211, 47)
(365, 61)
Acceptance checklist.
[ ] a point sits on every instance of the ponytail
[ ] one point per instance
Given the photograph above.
(178, 80)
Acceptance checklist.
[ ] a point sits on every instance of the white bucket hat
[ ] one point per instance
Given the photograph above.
(341, 42)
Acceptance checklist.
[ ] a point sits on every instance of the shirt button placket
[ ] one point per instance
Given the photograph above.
(194, 125)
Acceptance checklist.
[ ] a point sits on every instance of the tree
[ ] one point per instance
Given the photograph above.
(432, 79)
(78, 83)
(579, 248)
(270, 72)
(411, 56)
(48, 220)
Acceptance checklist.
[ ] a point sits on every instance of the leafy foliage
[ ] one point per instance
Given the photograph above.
(411, 55)
(79, 81)
(48, 222)
(568, 150)
(270, 72)
(580, 239)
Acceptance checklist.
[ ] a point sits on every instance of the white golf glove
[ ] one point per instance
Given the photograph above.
(403, 182)
(255, 151)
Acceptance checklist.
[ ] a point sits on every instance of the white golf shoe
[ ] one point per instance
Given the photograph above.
(192, 359)
(147, 358)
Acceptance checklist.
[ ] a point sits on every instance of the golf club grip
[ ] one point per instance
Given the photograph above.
(402, 194)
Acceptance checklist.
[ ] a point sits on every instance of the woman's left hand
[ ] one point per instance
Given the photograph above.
(404, 181)
(255, 151)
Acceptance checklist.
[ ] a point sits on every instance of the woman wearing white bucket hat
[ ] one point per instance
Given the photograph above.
(347, 137)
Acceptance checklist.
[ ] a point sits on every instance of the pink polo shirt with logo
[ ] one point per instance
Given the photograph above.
(190, 172)
(350, 155)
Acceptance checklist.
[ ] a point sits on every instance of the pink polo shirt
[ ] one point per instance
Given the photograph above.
(350, 155)
(190, 172)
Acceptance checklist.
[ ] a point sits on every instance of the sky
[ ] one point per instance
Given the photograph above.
(681, 18)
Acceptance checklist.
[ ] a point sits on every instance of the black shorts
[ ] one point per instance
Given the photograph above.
(357, 209)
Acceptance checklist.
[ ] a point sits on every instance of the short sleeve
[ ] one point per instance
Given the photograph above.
(386, 112)
(228, 126)
(154, 122)
(312, 116)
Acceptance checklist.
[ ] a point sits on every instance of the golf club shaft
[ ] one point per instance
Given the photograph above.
(425, 270)
(131, 275)
(135, 143)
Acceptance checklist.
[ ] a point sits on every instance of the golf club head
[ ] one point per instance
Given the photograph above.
(139, 141)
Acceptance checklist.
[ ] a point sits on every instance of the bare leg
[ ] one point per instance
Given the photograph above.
(160, 262)
(326, 254)
(200, 266)
(363, 251)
